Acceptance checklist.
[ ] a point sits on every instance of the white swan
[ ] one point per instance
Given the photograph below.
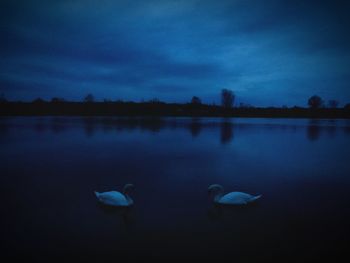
(232, 198)
(114, 198)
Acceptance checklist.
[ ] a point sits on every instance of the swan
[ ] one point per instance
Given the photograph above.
(232, 198)
(114, 198)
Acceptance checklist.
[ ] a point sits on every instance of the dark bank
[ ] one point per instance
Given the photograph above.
(157, 108)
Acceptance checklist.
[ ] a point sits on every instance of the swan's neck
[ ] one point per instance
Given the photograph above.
(128, 198)
(217, 196)
(219, 193)
(125, 192)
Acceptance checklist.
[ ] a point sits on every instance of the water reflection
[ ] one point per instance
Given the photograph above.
(91, 124)
(58, 125)
(195, 127)
(220, 212)
(40, 127)
(124, 213)
(76, 155)
(313, 130)
(332, 130)
(316, 128)
(226, 132)
(4, 128)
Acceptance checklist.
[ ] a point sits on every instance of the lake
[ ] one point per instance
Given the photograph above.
(51, 166)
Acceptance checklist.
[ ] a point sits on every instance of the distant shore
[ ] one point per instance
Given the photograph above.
(42, 108)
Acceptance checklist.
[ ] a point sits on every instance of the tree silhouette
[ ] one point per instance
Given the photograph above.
(38, 101)
(195, 100)
(2, 98)
(315, 102)
(245, 105)
(333, 104)
(313, 131)
(57, 100)
(154, 101)
(227, 98)
(89, 98)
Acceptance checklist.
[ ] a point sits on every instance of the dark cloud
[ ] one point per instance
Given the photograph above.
(176, 48)
(24, 86)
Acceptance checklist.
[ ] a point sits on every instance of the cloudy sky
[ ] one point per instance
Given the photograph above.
(268, 52)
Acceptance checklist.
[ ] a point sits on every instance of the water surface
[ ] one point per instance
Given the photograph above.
(50, 167)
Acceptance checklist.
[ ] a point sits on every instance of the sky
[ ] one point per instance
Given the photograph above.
(270, 53)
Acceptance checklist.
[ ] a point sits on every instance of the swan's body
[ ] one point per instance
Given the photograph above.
(232, 198)
(114, 198)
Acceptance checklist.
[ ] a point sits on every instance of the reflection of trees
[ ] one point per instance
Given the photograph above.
(347, 130)
(40, 126)
(226, 132)
(89, 126)
(4, 128)
(153, 124)
(313, 130)
(332, 130)
(57, 125)
(195, 127)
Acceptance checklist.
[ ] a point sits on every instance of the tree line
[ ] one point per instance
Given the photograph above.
(154, 107)
(227, 101)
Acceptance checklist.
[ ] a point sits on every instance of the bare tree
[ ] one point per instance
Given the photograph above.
(333, 104)
(2, 98)
(89, 98)
(57, 100)
(38, 101)
(227, 98)
(154, 101)
(195, 100)
(315, 102)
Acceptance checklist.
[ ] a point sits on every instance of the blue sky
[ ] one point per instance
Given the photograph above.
(268, 52)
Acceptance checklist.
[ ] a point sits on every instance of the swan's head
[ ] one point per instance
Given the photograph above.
(127, 187)
(215, 188)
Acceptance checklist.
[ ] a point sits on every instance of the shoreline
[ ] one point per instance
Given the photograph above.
(132, 109)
